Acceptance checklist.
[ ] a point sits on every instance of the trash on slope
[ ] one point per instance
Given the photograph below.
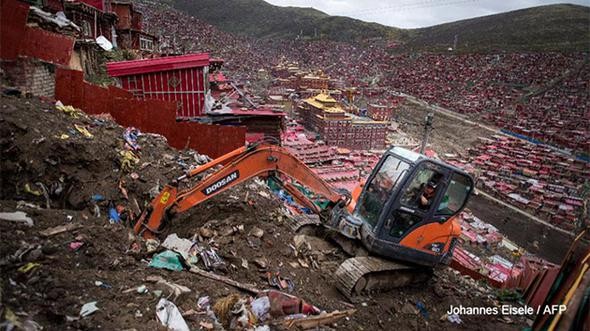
(130, 135)
(167, 260)
(88, 309)
(170, 317)
(17, 216)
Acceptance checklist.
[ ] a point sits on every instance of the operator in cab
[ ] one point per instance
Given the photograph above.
(427, 195)
(421, 197)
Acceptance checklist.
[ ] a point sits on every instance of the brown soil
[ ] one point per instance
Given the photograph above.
(535, 237)
(53, 293)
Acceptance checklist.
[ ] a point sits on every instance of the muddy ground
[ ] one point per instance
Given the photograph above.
(448, 135)
(46, 281)
(535, 237)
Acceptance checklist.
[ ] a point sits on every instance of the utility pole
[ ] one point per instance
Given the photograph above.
(427, 127)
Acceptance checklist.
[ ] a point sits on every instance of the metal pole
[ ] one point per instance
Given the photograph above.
(427, 127)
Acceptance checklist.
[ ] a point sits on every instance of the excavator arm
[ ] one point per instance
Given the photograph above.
(238, 166)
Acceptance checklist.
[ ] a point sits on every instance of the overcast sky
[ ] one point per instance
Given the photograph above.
(416, 13)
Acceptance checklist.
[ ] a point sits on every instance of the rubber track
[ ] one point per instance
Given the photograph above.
(354, 269)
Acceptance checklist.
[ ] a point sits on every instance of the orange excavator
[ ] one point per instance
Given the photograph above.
(398, 224)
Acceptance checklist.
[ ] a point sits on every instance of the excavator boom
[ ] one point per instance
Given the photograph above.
(237, 167)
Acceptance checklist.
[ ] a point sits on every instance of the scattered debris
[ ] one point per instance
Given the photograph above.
(88, 309)
(17, 216)
(177, 290)
(228, 281)
(60, 229)
(179, 245)
(311, 322)
(167, 260)
(257, 232)
(170, 317)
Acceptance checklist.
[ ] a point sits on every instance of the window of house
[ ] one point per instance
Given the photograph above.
(86, 29)
(146, 44)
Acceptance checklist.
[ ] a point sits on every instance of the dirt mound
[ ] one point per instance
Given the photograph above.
(47, 278)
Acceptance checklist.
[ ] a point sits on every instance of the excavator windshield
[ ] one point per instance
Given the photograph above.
(379, 189)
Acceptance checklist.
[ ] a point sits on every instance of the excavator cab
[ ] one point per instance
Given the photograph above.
(407, 208)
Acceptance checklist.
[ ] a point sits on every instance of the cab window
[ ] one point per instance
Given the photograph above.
(378, 191)
(455, 195)
(421, 192)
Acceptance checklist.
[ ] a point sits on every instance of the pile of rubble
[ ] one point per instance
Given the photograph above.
(73, 184)
(486, 254)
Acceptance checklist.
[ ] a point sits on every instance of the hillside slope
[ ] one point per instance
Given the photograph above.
(553, 27)
(260, 19)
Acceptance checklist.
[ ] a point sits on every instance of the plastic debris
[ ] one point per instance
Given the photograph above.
(128, 160)
(152, 245)
(155, 190)
(170, 317)
(167, 260)
(211, 259)
(179, 245)
(23, 204)
(17, 216)
(73, 112)
(275, 279)
(261, 308)
(29, 190)
(104, 43)
(84, 131)
(75, 245)
(130, 135)
(97, 197)
(88, 309)
(282, 303)
(102, 284)
(114, 216)
(142, 289)
(454, 318)
(28, 267)
(422, 308)
(204, 303)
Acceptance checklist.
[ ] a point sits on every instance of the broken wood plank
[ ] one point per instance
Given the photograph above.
(60, 229)
(317, 320)
(226, 280)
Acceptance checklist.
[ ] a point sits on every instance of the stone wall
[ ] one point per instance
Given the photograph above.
(31, 76)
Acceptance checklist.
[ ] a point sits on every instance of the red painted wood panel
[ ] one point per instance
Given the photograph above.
(13, 17)
(150, 115)
(47, 46)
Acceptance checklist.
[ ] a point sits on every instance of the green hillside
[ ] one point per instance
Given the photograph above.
(553, 27)
(260, 19)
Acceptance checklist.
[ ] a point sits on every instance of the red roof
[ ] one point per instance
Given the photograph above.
(218, 77)
(134, 67)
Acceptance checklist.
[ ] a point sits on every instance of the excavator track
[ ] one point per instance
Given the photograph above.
(304, 223)
(358, 276)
